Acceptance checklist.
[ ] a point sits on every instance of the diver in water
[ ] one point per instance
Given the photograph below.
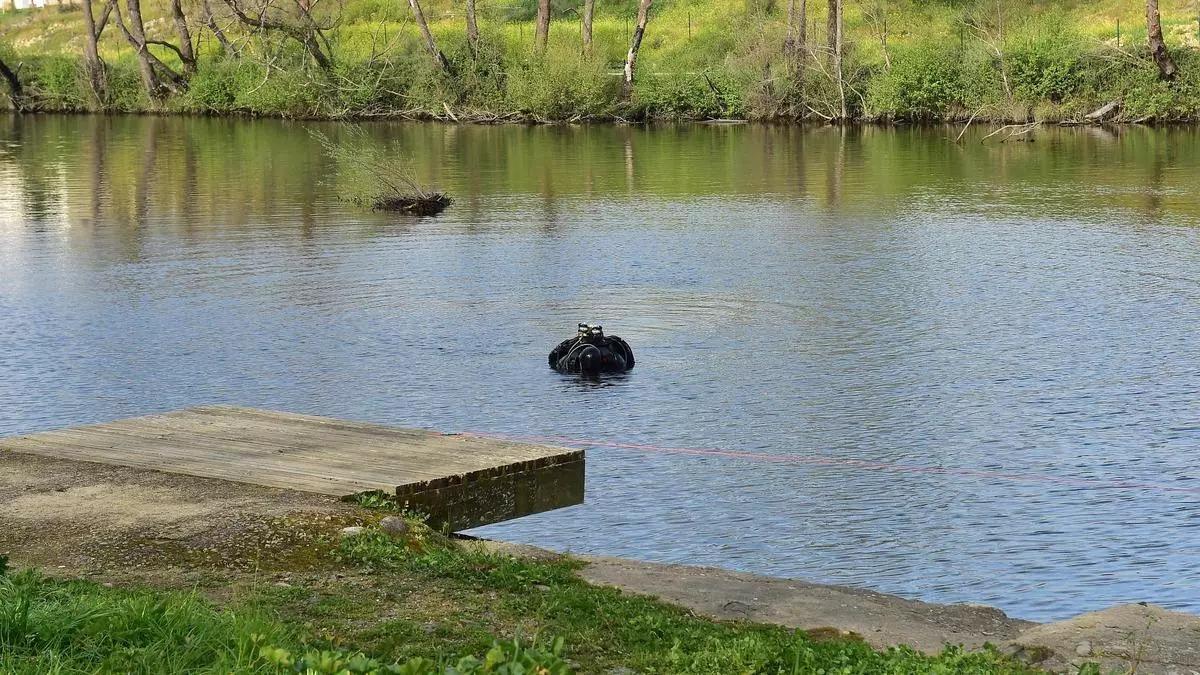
(591, 352)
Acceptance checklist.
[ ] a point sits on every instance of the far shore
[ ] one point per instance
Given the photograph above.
(1021, 129)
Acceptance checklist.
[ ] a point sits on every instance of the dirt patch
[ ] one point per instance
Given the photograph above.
(97, 520)
(122, 506)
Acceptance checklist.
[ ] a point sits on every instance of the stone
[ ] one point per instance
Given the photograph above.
(348, 532)
(1084, 648)
(394, 526)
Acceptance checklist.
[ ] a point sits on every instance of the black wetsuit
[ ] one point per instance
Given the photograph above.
(592, 355)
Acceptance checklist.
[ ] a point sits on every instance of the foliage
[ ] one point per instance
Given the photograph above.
(55, 82)
(372, 174)
(56, 626)
(924, 83)
(504, 658)
(608, 628)
(1049, 62)
(702, 59)
(562, 85)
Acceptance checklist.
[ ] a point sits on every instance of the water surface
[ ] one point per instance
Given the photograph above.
(1015, 323)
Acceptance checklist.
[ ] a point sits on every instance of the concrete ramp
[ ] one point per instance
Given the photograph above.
(460, 481)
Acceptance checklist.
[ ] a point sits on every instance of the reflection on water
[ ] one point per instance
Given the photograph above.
(878, 295)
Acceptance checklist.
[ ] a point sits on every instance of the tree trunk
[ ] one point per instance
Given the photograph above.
(543, 27)
(835, 10)
(472, 28)
(430, 44)
(306, 35)
(210, 22)
(831, 27)
(797, 23)
(589, 12)
(92, 62)
(634, 45)
(16, 93)
(136, 36)
(149, 65)
(187, 54)
(1158, 49)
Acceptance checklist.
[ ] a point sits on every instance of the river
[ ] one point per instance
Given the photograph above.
(960, 372)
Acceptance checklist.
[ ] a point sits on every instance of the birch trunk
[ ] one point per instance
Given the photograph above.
(634, 45)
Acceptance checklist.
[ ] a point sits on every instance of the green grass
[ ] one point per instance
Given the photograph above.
(701, 58)
(420, 604)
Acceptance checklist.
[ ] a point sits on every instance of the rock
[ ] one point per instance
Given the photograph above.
(542, 587)
(394, 526)
(348, 532)
(621, 671)
(1141, 637)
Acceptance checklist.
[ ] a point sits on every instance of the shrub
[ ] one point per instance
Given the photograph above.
(284, 93)
(561, 85)
(1047, 64)
(56, 81)
(687, 95)
(217, 84)
(125, 91)
(924, 83)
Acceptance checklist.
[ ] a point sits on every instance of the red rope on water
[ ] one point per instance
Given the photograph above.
(821, 460)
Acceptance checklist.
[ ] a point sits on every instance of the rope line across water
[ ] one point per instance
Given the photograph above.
(820, 460)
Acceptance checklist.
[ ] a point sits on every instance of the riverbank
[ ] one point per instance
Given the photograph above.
(904, 61)
(229, 550)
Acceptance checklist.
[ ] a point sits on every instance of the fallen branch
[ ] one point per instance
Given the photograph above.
(968, 126)
(1013, 130)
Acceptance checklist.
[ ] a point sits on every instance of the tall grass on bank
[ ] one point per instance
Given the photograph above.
(936, 60)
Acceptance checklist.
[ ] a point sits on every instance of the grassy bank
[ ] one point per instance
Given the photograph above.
(414, 603)
(905, 60)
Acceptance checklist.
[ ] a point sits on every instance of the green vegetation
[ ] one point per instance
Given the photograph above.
(915, 60)
(414, 604)
(51, 626)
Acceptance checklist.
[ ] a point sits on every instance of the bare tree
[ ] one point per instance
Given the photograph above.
(797, 27)
(187, 54)
(92, 63)
(542, 35)
(210, 22)
(306, 30)
(1158, 49)
(157, 77)
(634, 45)
(990, 31)
(830, 26)
(876, 13)
(427, 36)
(16, 92)
(472, 28)
(836, 40)
(589, 12)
